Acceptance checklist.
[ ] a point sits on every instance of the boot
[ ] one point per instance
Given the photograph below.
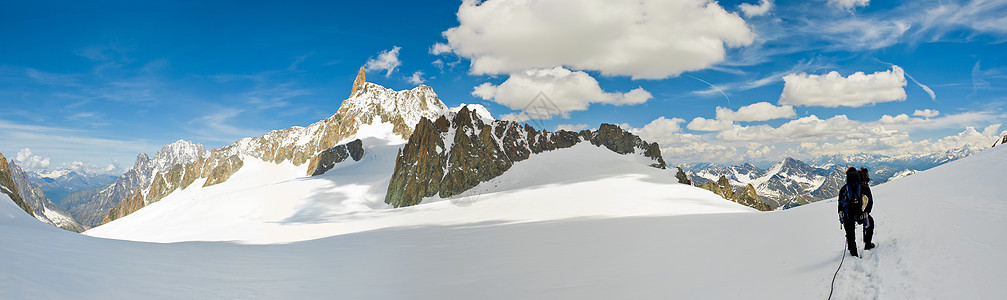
(869, 233)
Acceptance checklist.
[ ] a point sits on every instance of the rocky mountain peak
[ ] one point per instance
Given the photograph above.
(358, 84)
(793, 166)
(9, 187)
(371, 103)
(179, 152)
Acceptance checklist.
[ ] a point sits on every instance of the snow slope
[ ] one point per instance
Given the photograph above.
(941, 235)
(267, 203)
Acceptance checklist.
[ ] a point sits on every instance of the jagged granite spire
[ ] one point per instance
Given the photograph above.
(9, 187)
(359, 82)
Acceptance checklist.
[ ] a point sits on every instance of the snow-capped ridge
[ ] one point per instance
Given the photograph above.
(369, 111)
(480, 110)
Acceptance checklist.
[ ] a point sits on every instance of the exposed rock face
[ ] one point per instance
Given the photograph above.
(750, 198)
(744, 196)
(91, 207)
(446, 157)
(223, 170)
(7, 186)
(358, 84)
(131, 204)
(325, 161)
(368, 104)
(623, 142)
(215, 169)
(682, 177)
(1001, 141)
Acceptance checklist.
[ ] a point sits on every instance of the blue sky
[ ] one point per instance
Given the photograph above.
(92, 85)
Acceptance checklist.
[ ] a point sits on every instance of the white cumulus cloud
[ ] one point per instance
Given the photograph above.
(649, 39)
(809, 128)
(926, 113)
(387, 60)
(755, 10)
(555, 91)
(659, 129)
(834, 90)
(28, 160)
(416, 78)
(440, 48)
(704, 124)
(760, 111)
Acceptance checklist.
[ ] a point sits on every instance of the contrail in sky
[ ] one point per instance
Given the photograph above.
(714, 86)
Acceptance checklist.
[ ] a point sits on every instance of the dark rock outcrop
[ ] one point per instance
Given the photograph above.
(682, 177)
(623, 142)
(750, 198)
(744, 196)
(326, 160)
(446, 157)
(7, 186)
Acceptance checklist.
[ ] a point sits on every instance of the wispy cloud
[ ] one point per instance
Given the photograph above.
(263, 97)
(812, 28)
(62, 144)
(219, 126)
(292, 67)
(52, 78)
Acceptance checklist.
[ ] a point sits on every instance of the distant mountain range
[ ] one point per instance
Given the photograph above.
(792, 182)
(57, 184)
(29, 196)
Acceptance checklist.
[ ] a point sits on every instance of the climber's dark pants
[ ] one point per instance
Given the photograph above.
(851, 237)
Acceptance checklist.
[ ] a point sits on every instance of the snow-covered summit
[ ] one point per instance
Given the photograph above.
(52, 174)
(179, 152)
(480, 110)
(370, 102)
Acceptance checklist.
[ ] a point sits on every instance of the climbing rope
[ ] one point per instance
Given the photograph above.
(837, 270)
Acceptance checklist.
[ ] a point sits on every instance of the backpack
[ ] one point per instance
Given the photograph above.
(851, 203)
